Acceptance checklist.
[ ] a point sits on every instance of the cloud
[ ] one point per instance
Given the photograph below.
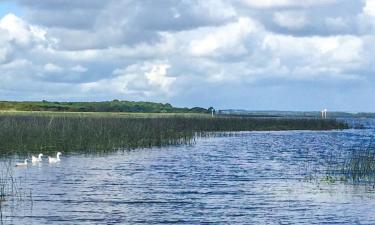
(366, 19)
(79, 69)
(184, 51)
(286, 3)
(291, 19)
(18, 31)
(122, 22)
(326, 56)
(158, 76)
(52, 68)
(137, 80)
(369, 8)
(223, 39)
(336, 23)
(305, 18)
(18, 38)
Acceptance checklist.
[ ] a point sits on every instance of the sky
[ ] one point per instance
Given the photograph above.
(229, 54)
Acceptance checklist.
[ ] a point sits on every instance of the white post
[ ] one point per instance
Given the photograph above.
(325, 113)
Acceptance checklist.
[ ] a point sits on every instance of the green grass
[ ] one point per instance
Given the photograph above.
(23, 133)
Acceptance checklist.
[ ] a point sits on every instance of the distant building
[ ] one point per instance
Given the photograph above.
(324, 113)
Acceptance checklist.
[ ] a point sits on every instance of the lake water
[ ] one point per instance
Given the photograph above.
(242, 178)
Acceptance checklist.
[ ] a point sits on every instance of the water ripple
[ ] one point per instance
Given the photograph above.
(243, 178)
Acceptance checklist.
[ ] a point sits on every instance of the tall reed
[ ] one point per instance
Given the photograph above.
(358, 167)
(9, 184)
(23, 134)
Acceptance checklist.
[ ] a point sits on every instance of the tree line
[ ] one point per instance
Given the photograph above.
(105, 106)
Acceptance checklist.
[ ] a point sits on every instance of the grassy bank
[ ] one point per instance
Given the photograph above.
(23, 133)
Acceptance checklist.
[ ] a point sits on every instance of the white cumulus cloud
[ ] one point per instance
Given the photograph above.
(183, 51)
(228, 38)
(137, 80)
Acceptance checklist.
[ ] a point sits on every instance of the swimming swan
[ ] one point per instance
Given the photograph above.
(54, 160)
(36, 159)
(22, 164)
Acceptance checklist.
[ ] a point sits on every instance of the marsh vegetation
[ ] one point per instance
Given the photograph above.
(26, 133)
(12, 187)
(355, 167)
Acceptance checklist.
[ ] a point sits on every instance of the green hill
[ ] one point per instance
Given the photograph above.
(106, 106)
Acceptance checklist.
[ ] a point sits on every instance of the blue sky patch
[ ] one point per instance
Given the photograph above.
(9, 7)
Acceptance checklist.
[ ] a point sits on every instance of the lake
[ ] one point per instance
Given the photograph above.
(237, 178)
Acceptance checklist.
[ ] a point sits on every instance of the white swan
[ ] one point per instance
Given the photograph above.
(36, 159)
(54, 160)
(22, 164)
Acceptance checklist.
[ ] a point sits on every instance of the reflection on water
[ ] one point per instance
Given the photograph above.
(246, 178)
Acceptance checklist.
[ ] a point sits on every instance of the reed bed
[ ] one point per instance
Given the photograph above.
(26, 133)
(358, 167)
